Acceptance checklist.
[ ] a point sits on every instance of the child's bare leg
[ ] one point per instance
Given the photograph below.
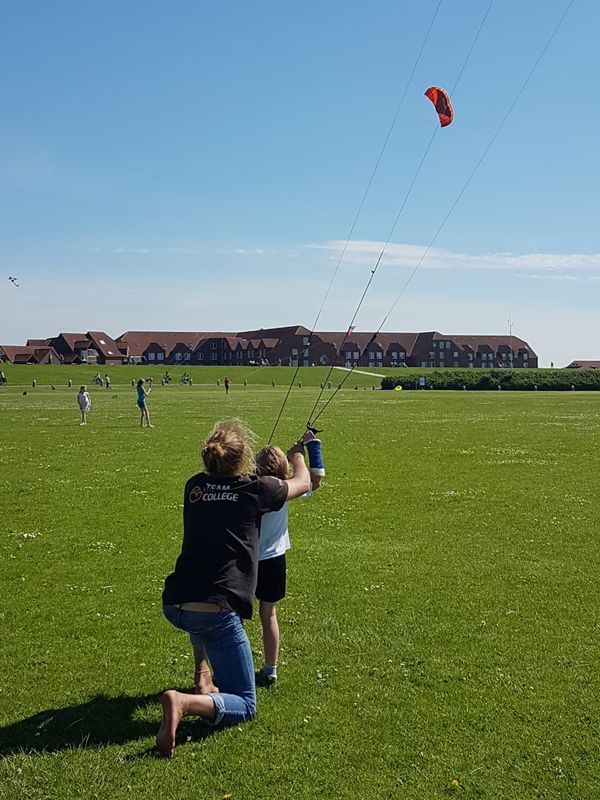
(203, 683)
(270, 631)
(175, 706)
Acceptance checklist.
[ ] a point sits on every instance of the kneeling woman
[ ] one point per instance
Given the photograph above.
(212, 587)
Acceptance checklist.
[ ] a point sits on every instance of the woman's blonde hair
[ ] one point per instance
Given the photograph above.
(271, 460)
(228, 449)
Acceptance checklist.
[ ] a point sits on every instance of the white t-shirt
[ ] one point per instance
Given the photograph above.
(84, 401)
(274, 534)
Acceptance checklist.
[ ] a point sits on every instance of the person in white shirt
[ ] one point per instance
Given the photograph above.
(273, 544)
(85, 403)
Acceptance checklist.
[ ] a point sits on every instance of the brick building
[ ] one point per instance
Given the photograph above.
(292, 345)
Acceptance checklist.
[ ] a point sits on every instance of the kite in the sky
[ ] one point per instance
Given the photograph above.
(441, 101)
(14, 281)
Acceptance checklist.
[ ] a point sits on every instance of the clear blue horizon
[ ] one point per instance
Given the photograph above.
(198, 166)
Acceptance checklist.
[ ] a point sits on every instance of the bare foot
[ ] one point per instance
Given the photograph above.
(172, 709)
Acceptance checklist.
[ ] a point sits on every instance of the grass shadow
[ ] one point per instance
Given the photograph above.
(98, 722)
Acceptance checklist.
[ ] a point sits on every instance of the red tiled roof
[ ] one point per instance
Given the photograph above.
(277, 333)
(494, 342)
(583, 364)
(359, 340)
(103, 343)
(139, 341)
(72, 338)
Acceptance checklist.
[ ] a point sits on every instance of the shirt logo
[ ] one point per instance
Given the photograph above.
(196, 494)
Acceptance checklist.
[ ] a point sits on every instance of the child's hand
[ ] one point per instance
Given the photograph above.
(295, 449)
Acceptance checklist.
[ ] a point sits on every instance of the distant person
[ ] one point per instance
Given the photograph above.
(107, 381)
(273, 545)
(85, 403)
(70, 383)
(141, 401)
(212, 587)
(2, 379)
(226, 385)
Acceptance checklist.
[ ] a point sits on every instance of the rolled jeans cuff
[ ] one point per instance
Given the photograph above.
(219, 708)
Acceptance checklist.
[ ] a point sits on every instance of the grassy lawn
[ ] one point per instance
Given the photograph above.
(441, 632)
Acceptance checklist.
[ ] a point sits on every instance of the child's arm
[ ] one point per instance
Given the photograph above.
(315, 459)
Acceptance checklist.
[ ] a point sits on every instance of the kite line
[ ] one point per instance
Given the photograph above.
(359, 211)
(457, 199)
(442, 104)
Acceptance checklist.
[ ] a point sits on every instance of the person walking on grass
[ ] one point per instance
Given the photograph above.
(226, 385)
(274, 543)
(141, 401)
(212, 588)
(84, 402)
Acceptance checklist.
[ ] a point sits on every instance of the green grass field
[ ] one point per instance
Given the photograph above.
(441, 632)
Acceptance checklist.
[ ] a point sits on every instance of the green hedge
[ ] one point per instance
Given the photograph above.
(555, 380)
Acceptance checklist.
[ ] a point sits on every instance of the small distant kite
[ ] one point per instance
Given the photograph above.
(14, 281)
(441, 101)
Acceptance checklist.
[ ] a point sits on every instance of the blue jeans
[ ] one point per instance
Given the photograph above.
(230, 656)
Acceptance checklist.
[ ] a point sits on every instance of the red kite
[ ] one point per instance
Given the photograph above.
(441, 101)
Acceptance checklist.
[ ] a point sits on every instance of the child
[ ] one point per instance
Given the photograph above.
(85, 403)
(274, 542)
(211, 590)
(141, 401)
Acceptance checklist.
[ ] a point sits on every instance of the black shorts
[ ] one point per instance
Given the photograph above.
(271, 579)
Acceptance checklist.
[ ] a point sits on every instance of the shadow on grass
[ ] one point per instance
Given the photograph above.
(100, 721)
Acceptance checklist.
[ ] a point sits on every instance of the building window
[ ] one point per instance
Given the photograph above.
(187, 356)
(356, 356)
(306, 341)
(371, 357)
(455, 354)
(213, 356)
(160, 356)
(435, 344)
(448, 345)
(442, 355)
(379, 356)
(213, 345)
(177, 356)
(294, 351)
(395, 356)
(348, 355)
(456, 363)
(150, 356)
(402, 355)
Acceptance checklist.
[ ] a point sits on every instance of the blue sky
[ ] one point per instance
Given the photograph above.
(197, 166)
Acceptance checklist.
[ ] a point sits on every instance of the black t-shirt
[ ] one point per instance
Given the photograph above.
(221, 521)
